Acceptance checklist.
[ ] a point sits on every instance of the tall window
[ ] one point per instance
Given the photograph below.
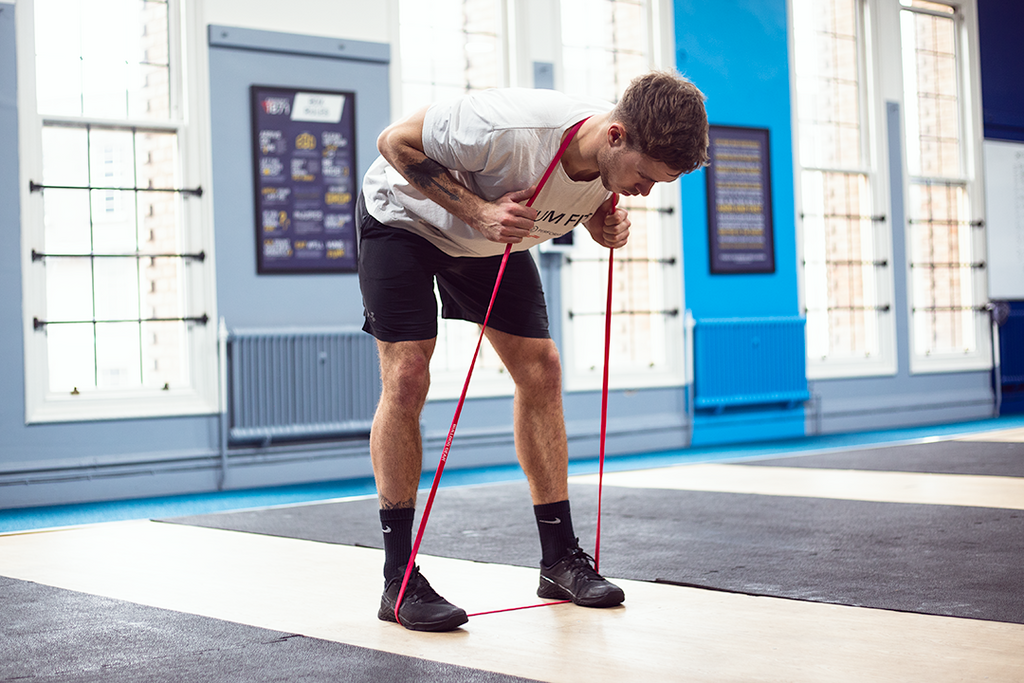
(453, 47)
(605, 45)
(450, 48)
(945, 266)
(845, 269)
(849, 57)
(113, 292)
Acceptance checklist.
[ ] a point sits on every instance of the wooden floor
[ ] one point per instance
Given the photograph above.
(662, 633)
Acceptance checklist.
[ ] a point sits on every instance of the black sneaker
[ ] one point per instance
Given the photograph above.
(422, 608)
(573, 578)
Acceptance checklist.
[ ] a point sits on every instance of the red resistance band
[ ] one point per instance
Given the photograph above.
(604, 400)
(465, 389)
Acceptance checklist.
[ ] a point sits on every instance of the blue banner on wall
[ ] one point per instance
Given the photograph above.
(304, 167)
(740, 201)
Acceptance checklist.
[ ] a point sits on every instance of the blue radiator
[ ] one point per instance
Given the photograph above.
(747, 361)
(293, 384)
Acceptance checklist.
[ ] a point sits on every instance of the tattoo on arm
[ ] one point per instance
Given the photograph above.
(428, 172)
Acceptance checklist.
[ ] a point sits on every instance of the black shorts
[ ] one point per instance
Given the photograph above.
(396, 275)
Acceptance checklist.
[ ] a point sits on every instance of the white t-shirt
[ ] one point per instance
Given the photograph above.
(494, 142)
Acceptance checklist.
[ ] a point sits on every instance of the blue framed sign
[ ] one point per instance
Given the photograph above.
(304, 166)
(740, 237)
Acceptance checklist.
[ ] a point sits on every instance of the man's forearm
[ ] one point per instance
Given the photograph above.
(428, 176)
(502, 220)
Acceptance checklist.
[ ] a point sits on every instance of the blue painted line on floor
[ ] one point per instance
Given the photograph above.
(28, 519)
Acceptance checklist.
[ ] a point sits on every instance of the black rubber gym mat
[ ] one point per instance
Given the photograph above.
(941, 457)
(62, 636)
(932, 559)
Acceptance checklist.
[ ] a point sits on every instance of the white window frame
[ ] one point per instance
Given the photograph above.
(457, 339)
(673, 370)
(874, 166)
(969, 82)
(191, 121)
(883, 82)
(668, 224)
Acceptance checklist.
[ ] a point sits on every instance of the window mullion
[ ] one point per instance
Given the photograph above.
(152, 125)
(92, 249)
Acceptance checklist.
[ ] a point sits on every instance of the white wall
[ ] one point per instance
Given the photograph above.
(351, 19)
(1004, 218)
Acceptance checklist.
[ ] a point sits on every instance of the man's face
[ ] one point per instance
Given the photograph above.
(628, 172)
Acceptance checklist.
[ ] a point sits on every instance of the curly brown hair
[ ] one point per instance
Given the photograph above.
(664, 117)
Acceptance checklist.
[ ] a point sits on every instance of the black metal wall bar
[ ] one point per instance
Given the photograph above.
(918, 309)
(854, 217)
(949, 264)
(652, 209)
(202, 320)
(882, 307)
(945, 221)
(187, 191)
(669, 312)
(199, 256)
(668, 261)
(880, 264)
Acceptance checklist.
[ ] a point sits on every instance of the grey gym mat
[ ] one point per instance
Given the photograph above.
(932, 559)
(59, 636)
(941, 457)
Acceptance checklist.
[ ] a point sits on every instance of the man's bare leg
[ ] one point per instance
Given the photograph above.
(541, 445)
(396, 451)
(396, 448)
(539, 423)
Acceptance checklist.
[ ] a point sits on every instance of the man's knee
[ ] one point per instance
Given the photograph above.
(406, 377)
(543, 372)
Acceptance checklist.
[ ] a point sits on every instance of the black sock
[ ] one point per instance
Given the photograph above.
(396, 524)
(554, 522)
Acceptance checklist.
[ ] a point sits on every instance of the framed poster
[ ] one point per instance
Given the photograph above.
(304, 165)
(740, 238)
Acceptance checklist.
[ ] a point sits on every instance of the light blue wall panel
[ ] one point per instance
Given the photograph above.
(240, 58)
(85, 461)
(12, 352)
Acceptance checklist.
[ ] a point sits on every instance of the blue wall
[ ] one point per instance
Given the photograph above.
(742, 66)
(1002, 52)
(243, 57)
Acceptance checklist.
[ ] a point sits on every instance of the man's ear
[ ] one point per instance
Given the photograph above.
(616, 134)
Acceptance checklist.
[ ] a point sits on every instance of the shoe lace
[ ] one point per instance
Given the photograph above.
(420, 588)
(583, 562)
